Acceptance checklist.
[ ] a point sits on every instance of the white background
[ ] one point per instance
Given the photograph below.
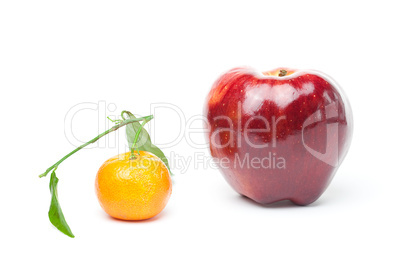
(129, 54)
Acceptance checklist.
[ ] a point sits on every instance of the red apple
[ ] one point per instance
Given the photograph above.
(278, 135)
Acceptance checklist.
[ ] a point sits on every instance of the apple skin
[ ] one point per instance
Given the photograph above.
(299, 123)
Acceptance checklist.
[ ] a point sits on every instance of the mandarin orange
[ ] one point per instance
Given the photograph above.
(133, 189)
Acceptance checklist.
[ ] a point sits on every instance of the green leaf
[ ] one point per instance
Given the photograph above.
(144, 140)
(56, 216)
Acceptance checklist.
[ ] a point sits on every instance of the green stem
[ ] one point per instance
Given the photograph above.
(114, 128)
(137, 134)
(282, 73)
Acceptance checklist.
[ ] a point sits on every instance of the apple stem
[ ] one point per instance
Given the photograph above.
(282, 73)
